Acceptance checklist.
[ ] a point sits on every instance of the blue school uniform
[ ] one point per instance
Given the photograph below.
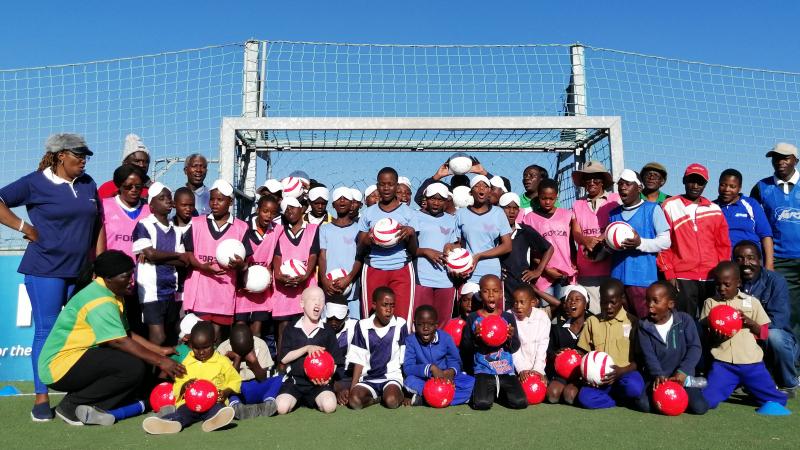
(441, 352)
(434, 232)
(387, 258)
(481, 232)
(156, 282)
(380, 352)
(340, 245)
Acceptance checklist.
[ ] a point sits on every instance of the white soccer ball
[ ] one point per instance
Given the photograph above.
(293, 268)
(385, 232)
(595, 366)
(462, 196)
(257, 279)
(337, 273)
(460, 165)
(459, 260)
(227, 249)
(292, 187)
(617, 233)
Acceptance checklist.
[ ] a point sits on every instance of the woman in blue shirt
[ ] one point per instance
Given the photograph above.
(61, 201)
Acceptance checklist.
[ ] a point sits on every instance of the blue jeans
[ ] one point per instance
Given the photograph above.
(781, 353)
(48, 296)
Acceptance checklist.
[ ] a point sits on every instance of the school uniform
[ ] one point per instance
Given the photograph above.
(592, 216)
(482, 232)
(390, 267)
(739, 359)
(434, 286)
(561, 337)
(556, 230)
(614, 336)
(296, 382)
(285, 300)
(344, 371)
(534, 338)
(340, 245)
(526, 244)
(157, 284)
(253, 390)
(259, 246)
(380, 351)
(441, 352)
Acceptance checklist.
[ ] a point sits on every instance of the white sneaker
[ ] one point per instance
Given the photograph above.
(157, 425)
(223, 417)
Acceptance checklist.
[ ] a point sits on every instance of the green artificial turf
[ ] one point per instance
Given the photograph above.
(732, 425)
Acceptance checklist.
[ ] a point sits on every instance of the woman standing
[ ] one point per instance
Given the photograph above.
(61, 201)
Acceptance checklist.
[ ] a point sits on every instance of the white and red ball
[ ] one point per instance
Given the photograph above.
(257, 279)
(459, 260)
(337, 273)
(292, 187)
(460, 165)
(617, 233)
(595, 366)
(293, 268)
(227, 249)
(386, 232)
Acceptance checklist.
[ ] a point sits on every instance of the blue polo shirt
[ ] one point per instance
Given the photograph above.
(63, 213)
(746, 220)
(434, 232)
(340, 246)
(388, 258)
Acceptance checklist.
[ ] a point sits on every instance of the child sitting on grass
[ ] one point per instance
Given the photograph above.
(564, 334)
(533, 329)
(204, 363)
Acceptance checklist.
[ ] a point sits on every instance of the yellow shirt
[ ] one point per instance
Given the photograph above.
(742, 348)
(613, 336)
(218, 369)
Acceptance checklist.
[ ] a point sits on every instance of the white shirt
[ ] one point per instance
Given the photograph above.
(663, 329)
(787, 185)
(534, 336)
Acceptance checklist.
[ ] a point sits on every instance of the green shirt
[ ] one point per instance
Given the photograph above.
(181, 352)
(93, 316)
(661, 197)
(525, 203)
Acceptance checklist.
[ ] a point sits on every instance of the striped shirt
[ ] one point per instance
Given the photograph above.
(156, 282)
(379, 350)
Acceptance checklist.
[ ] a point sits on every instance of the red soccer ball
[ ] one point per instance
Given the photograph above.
(200, 395)
(494, 330)
(568, 364)
(725, 320)
(535, 389)
(455, 328)
(438, 393)
(161, 396)
(320, 366)
(670, 398)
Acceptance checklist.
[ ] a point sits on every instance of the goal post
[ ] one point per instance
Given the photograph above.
(571, 139)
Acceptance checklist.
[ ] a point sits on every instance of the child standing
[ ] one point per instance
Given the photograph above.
(738, 360)
(533, 328)
(614, 332)
(376, 353)
(158, 245)
(307, 336)
(670, 346)
(337, 250)
(183, 201)
(565, 334)
(495, 378)
(204, 363)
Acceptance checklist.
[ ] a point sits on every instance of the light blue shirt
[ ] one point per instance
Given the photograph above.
(434, 232)
(340, 246)
(482, 232)
(388, 258)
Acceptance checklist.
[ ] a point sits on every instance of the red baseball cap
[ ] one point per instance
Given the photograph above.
(696, 169)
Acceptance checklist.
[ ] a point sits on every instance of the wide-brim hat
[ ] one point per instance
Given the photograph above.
(592, 168)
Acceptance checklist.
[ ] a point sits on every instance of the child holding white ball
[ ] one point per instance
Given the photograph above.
(210, 288)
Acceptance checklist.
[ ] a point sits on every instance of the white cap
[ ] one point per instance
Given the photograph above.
(509, 198)
(630, 176)
(369, 190)
(437, 189)
(290, 201)
(469, 288)
(153, 191)
(336, 310)
(479, 179)
(272, 185)
(356, 194)
(318, 192)
(133, 144)
(575, 288)
(404, 180)
(187, 323)
(223, 187)
(497, 182)
(340, 192)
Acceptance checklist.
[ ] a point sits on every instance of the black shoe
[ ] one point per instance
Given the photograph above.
(42, 412)
(69, 417)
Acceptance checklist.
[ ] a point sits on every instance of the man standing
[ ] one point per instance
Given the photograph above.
(654, 175)
(780, 197)
(196, 167)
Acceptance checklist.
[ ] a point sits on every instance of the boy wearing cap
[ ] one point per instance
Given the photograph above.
(654, 175)
(159, 250)
(530, 252)
(134, 153)
(780, 197)
(317, 213)
(336, 318)
(337, 250)
(435, 229)
(698, 241)
(589, 221)
(635, 264)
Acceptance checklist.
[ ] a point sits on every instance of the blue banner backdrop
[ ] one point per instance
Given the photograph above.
(16, 325)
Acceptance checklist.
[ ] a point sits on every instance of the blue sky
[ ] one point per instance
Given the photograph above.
(744, 33)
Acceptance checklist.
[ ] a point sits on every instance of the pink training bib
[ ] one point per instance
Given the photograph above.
(210, 293)
(119, 226)
(593, 223)
(285, 301)
(247, 302)
(556, 231)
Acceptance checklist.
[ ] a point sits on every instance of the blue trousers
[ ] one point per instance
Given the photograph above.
(782, 352)
(48, 296)
(463, 382)
(629, 387)
(697, 403)
(254, 391)
(725, 377)
(186, 416)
